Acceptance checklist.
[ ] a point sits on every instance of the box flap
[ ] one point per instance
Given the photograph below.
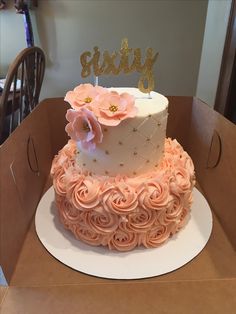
(209, 297)
(212, 145)
(25, 159)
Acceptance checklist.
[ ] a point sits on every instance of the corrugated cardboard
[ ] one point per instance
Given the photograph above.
(41, 284)
(212, 144)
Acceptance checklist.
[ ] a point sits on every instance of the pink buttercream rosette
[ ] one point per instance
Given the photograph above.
(124, 212)
(93, 106)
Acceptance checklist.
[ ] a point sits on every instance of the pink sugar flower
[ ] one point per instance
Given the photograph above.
(84, 127)
(83, 94)
(111, 108)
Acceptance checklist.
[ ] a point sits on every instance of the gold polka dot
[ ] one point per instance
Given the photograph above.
(159, 123)
(135, 130)
(120, 143)
(148, 139)
(94, 160)
(105, 130)
(149, 116)
(135, 153)
(147, 161)
(121, 164)
(156, 165)
(84, 164)
(134, 173)
(106, 152)
(106, 172)
(158, 146)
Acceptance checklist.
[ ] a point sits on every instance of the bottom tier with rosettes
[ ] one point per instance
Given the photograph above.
(124, 212)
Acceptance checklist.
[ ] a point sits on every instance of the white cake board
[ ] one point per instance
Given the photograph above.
(139, 263)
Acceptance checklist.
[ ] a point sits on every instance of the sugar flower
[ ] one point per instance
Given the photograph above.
(83, 94)
(111, 108)
(84, 127)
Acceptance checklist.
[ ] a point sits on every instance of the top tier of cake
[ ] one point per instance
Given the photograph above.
(136, 145)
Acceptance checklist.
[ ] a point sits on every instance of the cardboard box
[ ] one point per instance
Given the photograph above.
(38, 283)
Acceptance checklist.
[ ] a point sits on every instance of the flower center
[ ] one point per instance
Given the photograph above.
(86, 127)
(87, 100)
(113, 108)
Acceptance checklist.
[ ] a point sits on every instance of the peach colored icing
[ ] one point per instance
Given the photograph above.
(124, 212)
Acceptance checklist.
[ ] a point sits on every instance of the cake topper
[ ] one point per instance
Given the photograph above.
(108, 65)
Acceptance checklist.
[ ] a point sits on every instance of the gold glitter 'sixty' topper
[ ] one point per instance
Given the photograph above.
(107, 64)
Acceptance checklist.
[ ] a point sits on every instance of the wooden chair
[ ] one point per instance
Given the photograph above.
(21, 90)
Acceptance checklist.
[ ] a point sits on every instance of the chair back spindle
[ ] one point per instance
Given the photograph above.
(22, 89)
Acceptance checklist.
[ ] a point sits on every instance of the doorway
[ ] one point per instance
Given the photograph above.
(225, 102)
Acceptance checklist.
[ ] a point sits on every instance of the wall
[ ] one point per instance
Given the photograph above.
(12, 38)
(64, 29)
(212, 51)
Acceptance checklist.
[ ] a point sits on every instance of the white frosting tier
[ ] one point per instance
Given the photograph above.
(136, 145)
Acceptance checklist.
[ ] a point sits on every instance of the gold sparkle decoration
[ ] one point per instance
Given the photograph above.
(126, 60)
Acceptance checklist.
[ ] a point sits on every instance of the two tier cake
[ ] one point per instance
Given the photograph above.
(119, 182)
